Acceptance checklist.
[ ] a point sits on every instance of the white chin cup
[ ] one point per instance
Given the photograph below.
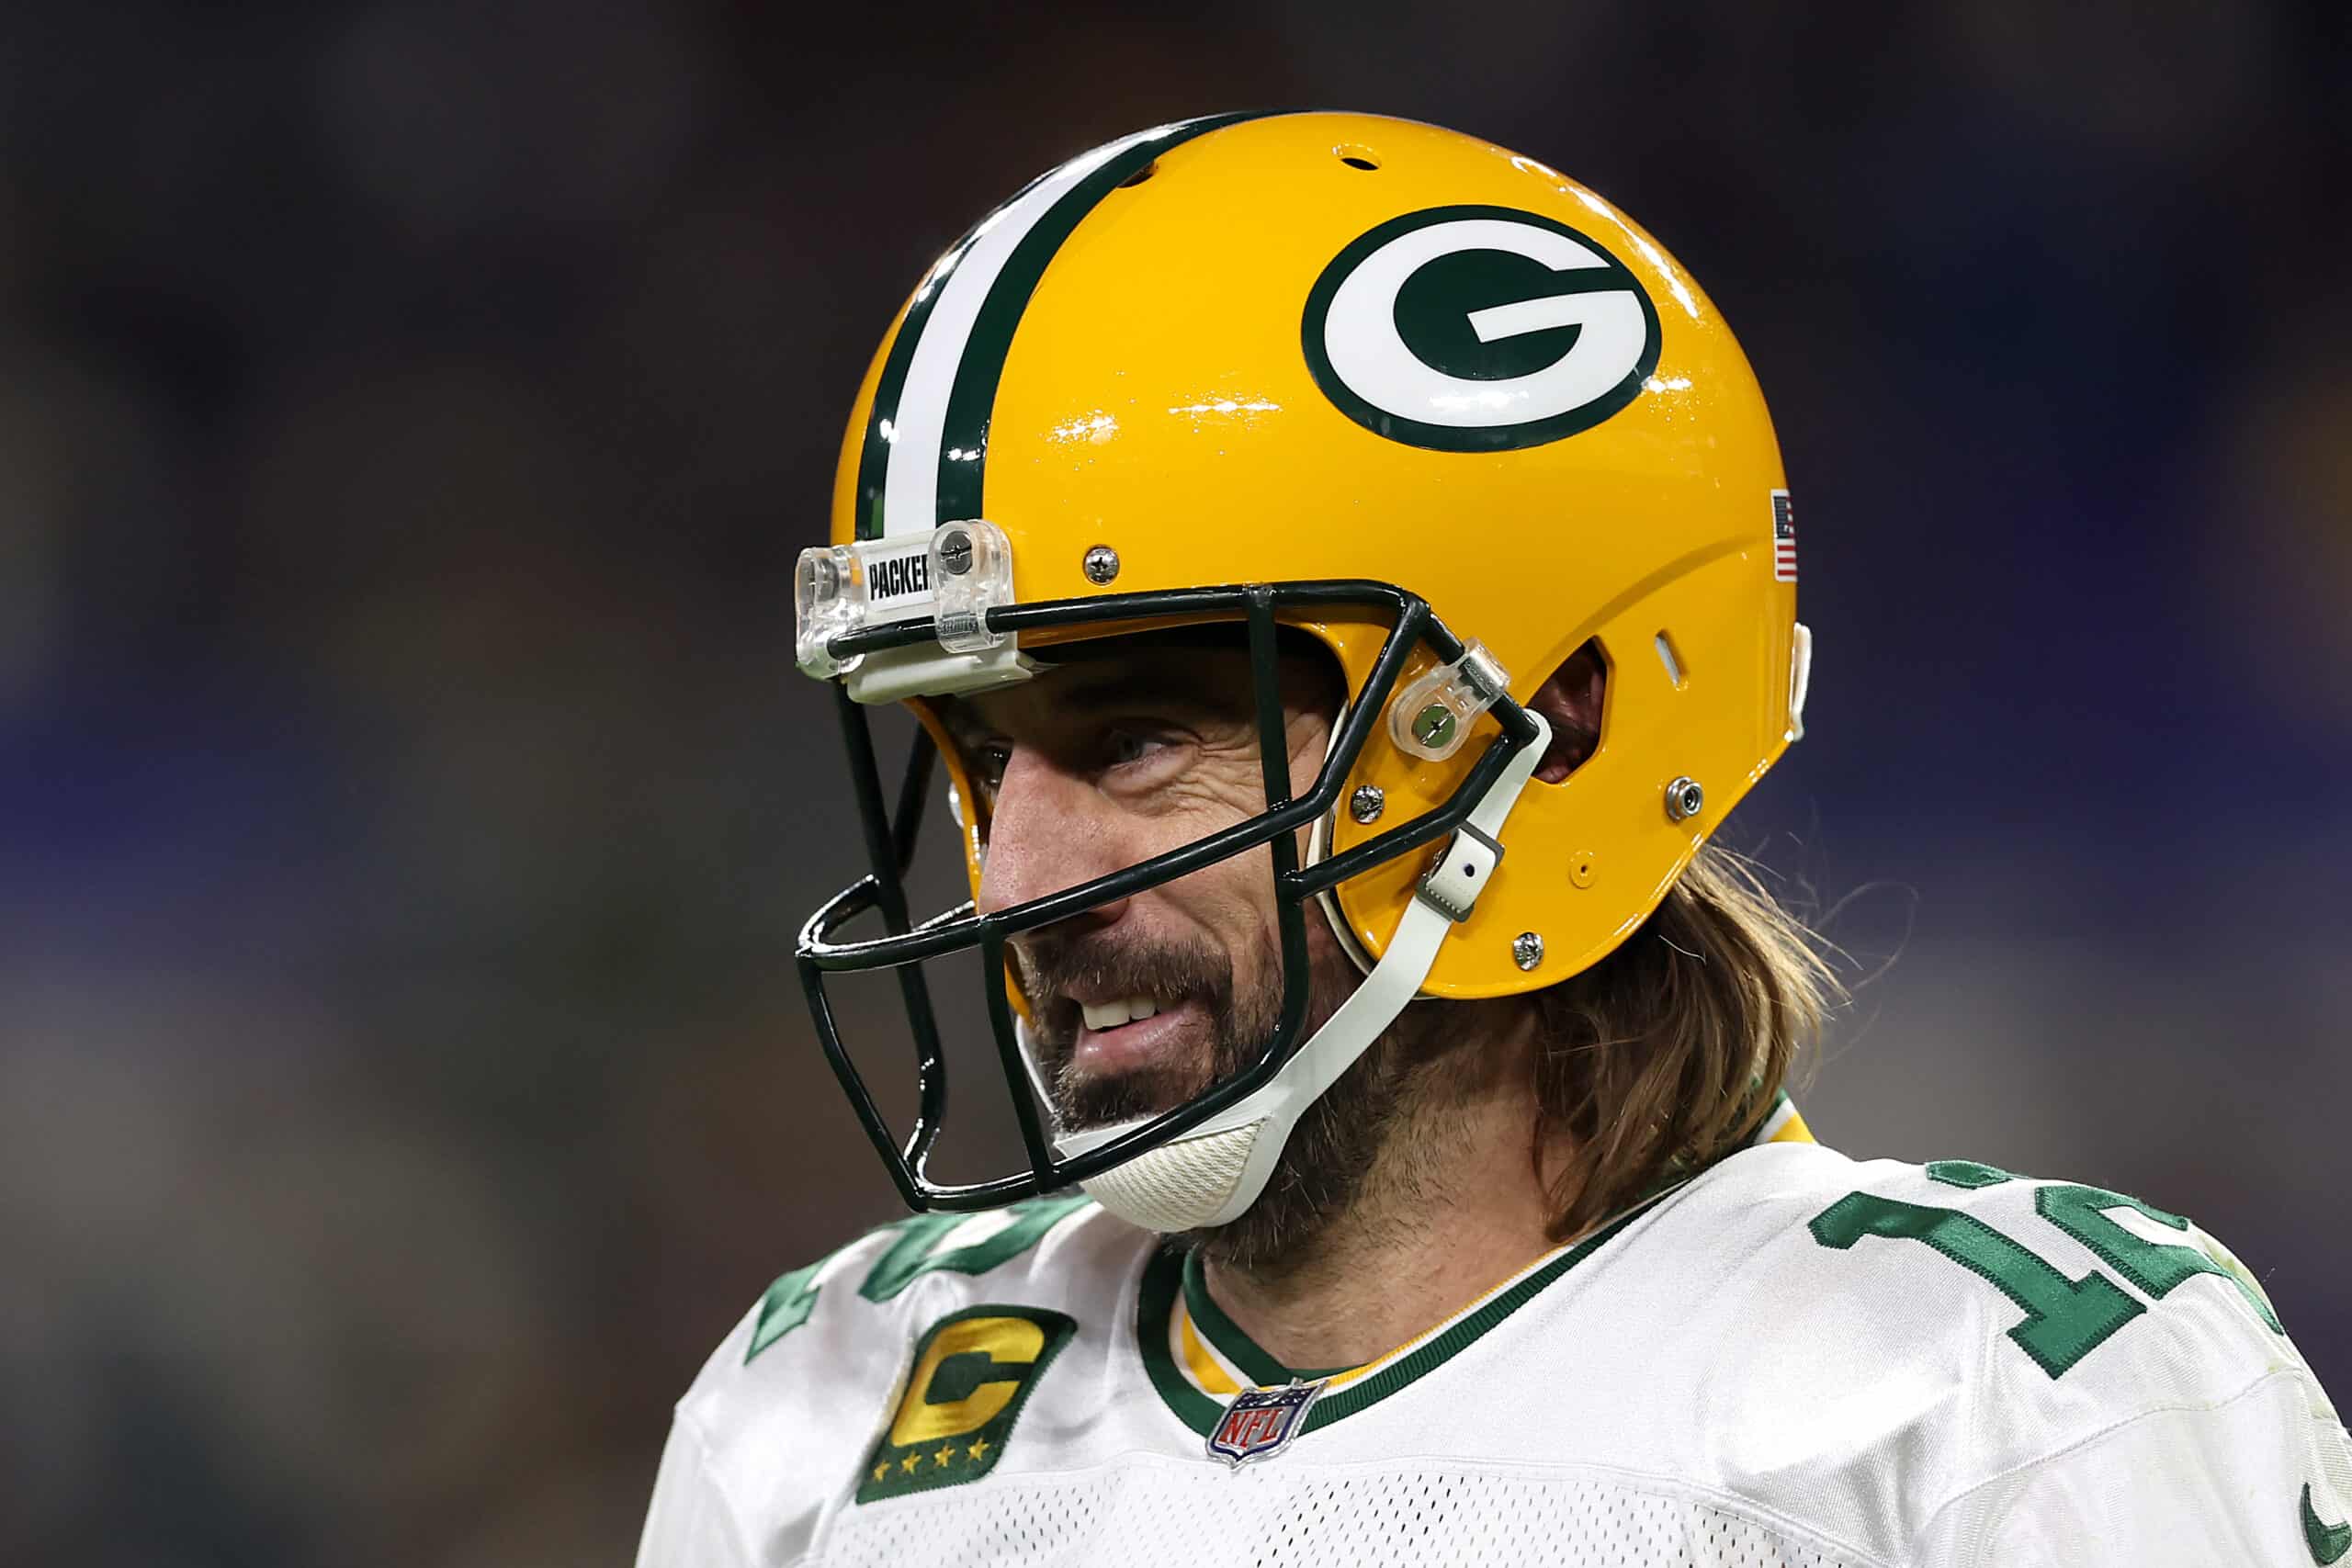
(1190, 1182)
(1210, 1176)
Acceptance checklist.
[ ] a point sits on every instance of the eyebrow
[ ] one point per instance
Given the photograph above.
(1098, 687)
(1156, 683)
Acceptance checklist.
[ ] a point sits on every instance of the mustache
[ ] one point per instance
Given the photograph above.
(1104, 963)
(1100, 965)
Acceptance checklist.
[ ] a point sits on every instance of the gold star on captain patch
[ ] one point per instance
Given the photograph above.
(942, 1456)
(909, 1464)
(978, 1449)
(882, 1470)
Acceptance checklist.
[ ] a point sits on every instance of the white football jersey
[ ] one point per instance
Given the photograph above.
(1791, 1358)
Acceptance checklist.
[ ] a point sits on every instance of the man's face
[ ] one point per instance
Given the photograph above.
(1126, 751)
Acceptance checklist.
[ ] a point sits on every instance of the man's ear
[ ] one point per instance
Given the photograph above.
(1570, 702)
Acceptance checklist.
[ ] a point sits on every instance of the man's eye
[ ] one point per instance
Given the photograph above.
(1123, 747)
(988, 761)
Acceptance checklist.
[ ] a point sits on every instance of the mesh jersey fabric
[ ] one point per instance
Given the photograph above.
(1159, 1517)
(1791, 1358)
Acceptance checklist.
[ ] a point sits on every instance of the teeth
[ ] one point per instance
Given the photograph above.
(1111, 1015)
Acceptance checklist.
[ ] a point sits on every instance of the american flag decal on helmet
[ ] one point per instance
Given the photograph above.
(1785, 539)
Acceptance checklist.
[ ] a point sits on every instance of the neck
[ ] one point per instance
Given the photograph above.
(1451, 1207)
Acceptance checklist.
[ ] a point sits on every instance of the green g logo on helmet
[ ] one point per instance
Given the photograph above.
(1478, 329)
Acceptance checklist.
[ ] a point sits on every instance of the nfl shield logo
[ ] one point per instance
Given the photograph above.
(1260, 1422)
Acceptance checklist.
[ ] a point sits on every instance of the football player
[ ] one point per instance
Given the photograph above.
(1344, 571)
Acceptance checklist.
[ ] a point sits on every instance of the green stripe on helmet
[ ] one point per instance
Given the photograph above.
(874, 457)
(964, 439)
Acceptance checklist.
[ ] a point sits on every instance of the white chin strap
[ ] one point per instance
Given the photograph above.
(1211, 1175)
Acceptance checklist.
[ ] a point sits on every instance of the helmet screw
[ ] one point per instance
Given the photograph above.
(955, 553)
(1102, 564)
(1366, 803)
(1527, 950)
(1433, 726)
(1684, 799)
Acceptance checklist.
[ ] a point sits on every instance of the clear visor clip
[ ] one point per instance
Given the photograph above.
(956, 573)
(1430, 717)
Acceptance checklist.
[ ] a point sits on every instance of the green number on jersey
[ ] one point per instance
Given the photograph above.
(910, 1256)
(2065, 1319)
(788, 1301)
(2154, 1266)
(2080, 1212)
(786, 1306)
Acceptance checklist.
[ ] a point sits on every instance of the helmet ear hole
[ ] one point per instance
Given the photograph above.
(1571, 701)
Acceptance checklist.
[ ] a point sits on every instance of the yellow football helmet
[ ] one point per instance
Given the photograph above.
(1429, 401)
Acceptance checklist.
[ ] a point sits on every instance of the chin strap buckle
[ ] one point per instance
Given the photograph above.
(1460, 873)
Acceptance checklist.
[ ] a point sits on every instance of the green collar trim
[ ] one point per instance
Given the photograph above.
(1163, 1278)
(1169, 1274)
(1226, 1336)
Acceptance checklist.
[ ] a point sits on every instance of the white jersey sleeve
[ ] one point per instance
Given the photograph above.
(2183, 1485)
(786, 1423)
(690, 1520)
(2136, 1398)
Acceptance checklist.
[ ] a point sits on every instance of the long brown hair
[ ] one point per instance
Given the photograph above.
(1669, 1052)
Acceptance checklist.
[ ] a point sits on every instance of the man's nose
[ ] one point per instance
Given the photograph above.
(1049, 830)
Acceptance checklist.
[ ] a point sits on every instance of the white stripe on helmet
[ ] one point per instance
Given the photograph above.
(910, 482)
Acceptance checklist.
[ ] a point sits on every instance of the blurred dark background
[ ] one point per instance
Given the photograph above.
(409, 416)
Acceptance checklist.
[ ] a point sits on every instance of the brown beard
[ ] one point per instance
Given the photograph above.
(1334, 1149)
(1163, 970)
